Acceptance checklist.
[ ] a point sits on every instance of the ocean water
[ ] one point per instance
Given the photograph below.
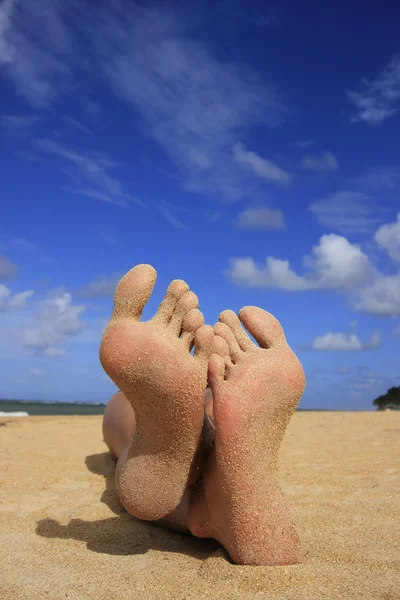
(49, 408)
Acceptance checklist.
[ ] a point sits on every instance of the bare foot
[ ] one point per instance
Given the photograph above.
(151, 363)
(255, 392)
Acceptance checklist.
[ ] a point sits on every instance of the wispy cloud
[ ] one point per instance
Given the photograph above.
(261, 167)
(170, 217)
(90, 169)
(78, 125)
(383, 180)
(378, 99)
(18, 122)
(107, 237)
(7, 268)
(17, 129)
(9, 301)
(34, 66)
(19, 244)
(346, 211)
(22, 247)
(261, 218)
(345, 342)
(194, 105)
(303, 144)
(34, 372)
(6, 50)
(320, 162)
(96, 195)
(102, 287)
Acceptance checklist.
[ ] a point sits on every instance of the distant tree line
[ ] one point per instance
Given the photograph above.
(390, 400)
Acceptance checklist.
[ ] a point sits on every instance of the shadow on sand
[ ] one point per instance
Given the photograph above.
(123, 534)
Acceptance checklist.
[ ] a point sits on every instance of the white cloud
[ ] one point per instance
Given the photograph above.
(388, 238)
(334, 264)
(276, 274)
(10, 301)
(90, 169)
(381, 297)
(262, 167)
(19, 300)
(345, 342)
(7, 268)
(102, 287)
(261, 218)
(34, 372)
(378, 99)
(345, 211)
(58, 319)
(5, 294)
(322, 162)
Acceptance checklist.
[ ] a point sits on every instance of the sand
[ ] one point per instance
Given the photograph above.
(63, 533)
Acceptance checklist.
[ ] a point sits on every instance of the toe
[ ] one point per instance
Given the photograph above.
(133, 292)
(185, 304)
(216, 372)
(263, 326)
(174, 293)
(204, 343)
(225, 332)
(231, 320)
(221, 348)
(192, 321)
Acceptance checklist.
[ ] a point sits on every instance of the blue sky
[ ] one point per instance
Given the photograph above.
(251, 150)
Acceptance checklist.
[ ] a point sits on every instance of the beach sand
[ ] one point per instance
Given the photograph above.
(63, 533)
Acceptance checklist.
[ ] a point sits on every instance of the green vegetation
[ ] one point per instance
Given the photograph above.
(390, 400)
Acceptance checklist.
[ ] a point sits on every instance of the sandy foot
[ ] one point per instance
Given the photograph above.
(256, 390)
(151, 363)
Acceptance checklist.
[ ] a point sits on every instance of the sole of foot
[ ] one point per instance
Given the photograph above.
(152, 364)
(256, 389)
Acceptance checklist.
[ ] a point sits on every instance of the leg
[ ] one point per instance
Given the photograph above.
(255, 392)
(119, 424)
(119, 427)
(164, 384)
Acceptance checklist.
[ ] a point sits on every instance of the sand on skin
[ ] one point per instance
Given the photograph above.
(63, 533)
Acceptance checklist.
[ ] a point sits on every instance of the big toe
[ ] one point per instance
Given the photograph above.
(133, 292)
(263, 326)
